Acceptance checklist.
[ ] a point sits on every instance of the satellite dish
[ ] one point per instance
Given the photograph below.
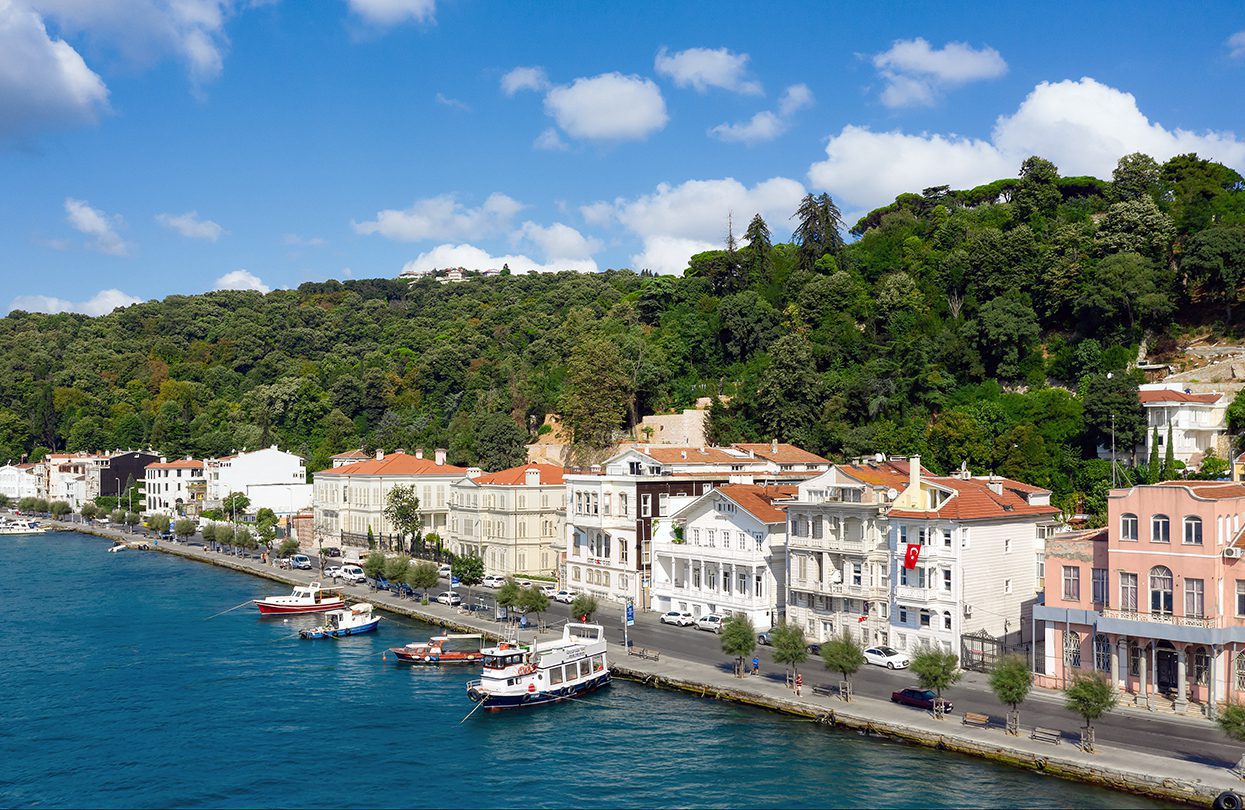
(892, 494)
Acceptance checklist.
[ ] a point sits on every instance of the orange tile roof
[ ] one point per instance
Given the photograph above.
(670, 454)
(179, 464)
(890, 473)
(785, 454)
(359, 454)
(1169, 395)
(974, 500)
(516, 476)
(758, 501)
(395, 464)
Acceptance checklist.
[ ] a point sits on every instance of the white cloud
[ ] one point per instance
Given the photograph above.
(1236, 45)
(386, 13)
(101, 303)
(916, 73)
(452, 103)
(296, 240)
(44, 83)
(443, 217)
(702, 68)
(524, 78)
(558, 241)
(550, 141)
(676, 221)
(474, 258)
(96, 224)
(767, 125)
(1083, 126)
(241, 280)
(608, 107)
(191, 226)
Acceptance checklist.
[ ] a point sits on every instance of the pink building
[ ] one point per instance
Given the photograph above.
(1156, 599)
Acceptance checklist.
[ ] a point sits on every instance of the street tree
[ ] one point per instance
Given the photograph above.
(583, 607)
(1090, 696)
(469, 571)
(790, 648)
(185, 528)
(533, 600)
(374, 565)
(209, 534)
(936, 670)
(132, 518)
(288, 547)
(422, 576)
(116, 516)
(508, 597)
(89, 511)
(1011, 681)
(843, 654)
(59, 509)
(158, 523)
(396, 567)
(402, 512)
(234, 504)
(739, 639)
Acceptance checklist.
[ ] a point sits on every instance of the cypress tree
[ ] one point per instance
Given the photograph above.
(1153, 473)
(1169, 458)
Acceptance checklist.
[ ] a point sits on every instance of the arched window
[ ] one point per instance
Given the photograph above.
(1072, 650)
(1160, 529)
(1102, 653)
(1240, 671)
(1161, 590)
(1193, 530)
(1128, 527)
(946, 620)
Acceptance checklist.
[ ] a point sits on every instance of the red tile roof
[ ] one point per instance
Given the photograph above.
(1169, 395)
(974, 500)
(179, 464)
(395, 464)
(758, 501)
(785, 454)
(517, 476)
(670, 454)
(890, 473)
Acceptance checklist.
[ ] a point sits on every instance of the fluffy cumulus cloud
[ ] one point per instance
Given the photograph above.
(191, 226)
(609, 107)
(44, 83)
(916, 73)
(1083, 126)
(1236, 45)
(768, 124)
(443, 217)
(558, 241)
(385, 13)
(100, 227)
(241, 280)
(675, 222)
(703, 68)
(474, 258)
(550, 141)
(101, 303)
(524, 78)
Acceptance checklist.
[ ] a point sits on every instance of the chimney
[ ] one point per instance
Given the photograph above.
(380, 454)
(914, 475)
(773, 445)
(419, 452)
(531, 477)
(474, 472)
(440, 451)
(995, 485)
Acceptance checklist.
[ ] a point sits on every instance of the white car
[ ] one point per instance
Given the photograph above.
(549, 590)
(449, 598)
(565, 597)
(333, 571)
(353, 573)
(886, 657)
(301, 561)
(493, 581)
(523, 583)
(443, 571)
(712, 623)
(679, 618)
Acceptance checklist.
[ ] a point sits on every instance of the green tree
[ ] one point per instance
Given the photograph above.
(1011, 681)
(500, 443)
(1105, 397)
(469, 571)
(1169, 457)
(1124, 288)
(532, 600)
(116, 516)
(89, 511)
(1090, 696)
(1007, 330)
(396, 568)
(402, 512)
(758, 258)
(158, 523)
(508, 596)
(1213, 467)
(597, 393)
(423, 576)
(788, 395)
(817, 230)
(1231, 721)
(1154, 473)
(235, 503)
(843, 654)
(1214, 261)
(59, 509)
(209, 534)
(1136, 175)
(790, 648)
(935, 669)
(739, 639)
(288, 548)
(1037, 196)
(374, 564)
(583, 605)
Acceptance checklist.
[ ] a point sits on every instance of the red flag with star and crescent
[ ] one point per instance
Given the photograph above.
(911, 555)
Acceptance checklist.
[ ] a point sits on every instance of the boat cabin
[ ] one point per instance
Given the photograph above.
(500, 659)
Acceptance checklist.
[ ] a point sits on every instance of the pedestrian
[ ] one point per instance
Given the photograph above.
(799, 681)
(756, 665)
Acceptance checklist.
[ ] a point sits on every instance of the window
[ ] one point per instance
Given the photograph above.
(1240, 597)
(695, 537)
(1007, 545)
(964, 537)
(1193, 531)
(817, 528)
(1134, 658)
(857, 574)
(1072, 583)
(1240, 671)
(646, 506)
(903, 615)
(1201, 666)
(1041, 567)
(1128, 591)
(946, 580)
(623, 507)
(1160, 529)
(1102, 653)
(663, 504)
(1161, 590)
(711, 538)
(903, 535)
(946, 620)
(1007, 586)
(1195, 597)
(1072, 650)
(622, 552)
(925, 618)
(1128, 527)
(1099, 585)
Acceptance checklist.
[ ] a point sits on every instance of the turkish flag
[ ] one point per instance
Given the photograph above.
(910, 556)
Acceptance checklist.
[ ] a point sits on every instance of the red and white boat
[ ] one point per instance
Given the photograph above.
(303, 599)
(461, 648)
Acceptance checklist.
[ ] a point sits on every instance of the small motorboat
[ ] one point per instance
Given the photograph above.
(21, 526)
(349, 621)
(113, 549)
(462, 648)
(303, 599)
(516, 675)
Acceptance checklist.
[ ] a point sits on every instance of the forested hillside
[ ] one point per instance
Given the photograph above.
(975, 325)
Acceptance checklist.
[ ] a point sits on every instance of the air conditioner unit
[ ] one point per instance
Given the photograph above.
(1232, 553)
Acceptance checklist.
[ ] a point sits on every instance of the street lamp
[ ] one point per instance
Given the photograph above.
(1111, 375)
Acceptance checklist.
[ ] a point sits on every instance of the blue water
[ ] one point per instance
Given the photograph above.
(116, 692)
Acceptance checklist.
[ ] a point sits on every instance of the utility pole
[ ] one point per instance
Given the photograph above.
(1113, 451)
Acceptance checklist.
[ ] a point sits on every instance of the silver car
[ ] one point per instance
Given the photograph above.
(712, 623)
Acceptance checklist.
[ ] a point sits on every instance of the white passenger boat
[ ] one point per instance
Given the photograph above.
(21, 526)
(349, 621)
(517, 675)
(303, 599)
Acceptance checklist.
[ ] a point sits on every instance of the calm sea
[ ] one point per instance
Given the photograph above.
(115, 691)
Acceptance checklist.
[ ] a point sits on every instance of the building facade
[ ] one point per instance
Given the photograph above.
(1197, 422)
(124, 467)
(271, 478)
(1155, 600)
(19, 481)
(174, 487)
(723, 552)
(509, 519)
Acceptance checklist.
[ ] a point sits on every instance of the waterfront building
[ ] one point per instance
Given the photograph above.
(72, 477)
(1155, 599)
(349, 500)
(19, 481)
(723, 552)
(509, 519)
(123, 468)
(1197, 422)
(271, 478)
(174, 487)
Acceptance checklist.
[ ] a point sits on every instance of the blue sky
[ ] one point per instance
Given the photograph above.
(155, 147)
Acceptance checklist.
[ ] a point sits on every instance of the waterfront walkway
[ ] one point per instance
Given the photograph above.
(1185, 759)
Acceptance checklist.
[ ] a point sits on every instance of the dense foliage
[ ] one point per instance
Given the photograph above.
(974, 326)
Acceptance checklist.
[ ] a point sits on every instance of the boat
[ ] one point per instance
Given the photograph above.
(303, 599)
(116, 547)
(515, 676)
(21, 526)
(349, 621)
(462, 648)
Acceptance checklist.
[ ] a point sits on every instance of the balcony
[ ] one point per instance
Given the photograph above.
(912, 593)
(1160, 618)
(751, 556)
(870, 592)
(830, 542)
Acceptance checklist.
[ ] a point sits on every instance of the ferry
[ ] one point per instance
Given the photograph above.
(21, 526)
(303, 599)
(349, 621)
(462, 648)
(516, 675)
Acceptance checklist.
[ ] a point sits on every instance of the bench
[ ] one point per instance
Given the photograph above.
(976, 719)
(644, 652)
(828, 691)
(1049, 735)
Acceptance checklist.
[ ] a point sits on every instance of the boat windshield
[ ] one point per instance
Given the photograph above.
(502, 661)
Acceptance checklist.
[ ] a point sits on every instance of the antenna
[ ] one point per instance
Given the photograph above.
(730, 232)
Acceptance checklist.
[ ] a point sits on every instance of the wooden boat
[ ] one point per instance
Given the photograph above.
(349, 621)
(515, 676)
(303, 599)
(461, 648)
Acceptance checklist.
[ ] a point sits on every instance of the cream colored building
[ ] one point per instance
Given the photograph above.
(509, 519)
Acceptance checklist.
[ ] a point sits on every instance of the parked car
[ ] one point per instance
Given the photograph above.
(332, 552)
(444, 570)
(333, 571)
(712, 623)
(301, 561)
(523, 583)
(449, 598)
(887, 657)
(353, 573)
(814, 649)
(493, 581)
(920, 698)
(764, 639)
(565, 597)
(549, 590)
(282, 562)
(679, 618)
